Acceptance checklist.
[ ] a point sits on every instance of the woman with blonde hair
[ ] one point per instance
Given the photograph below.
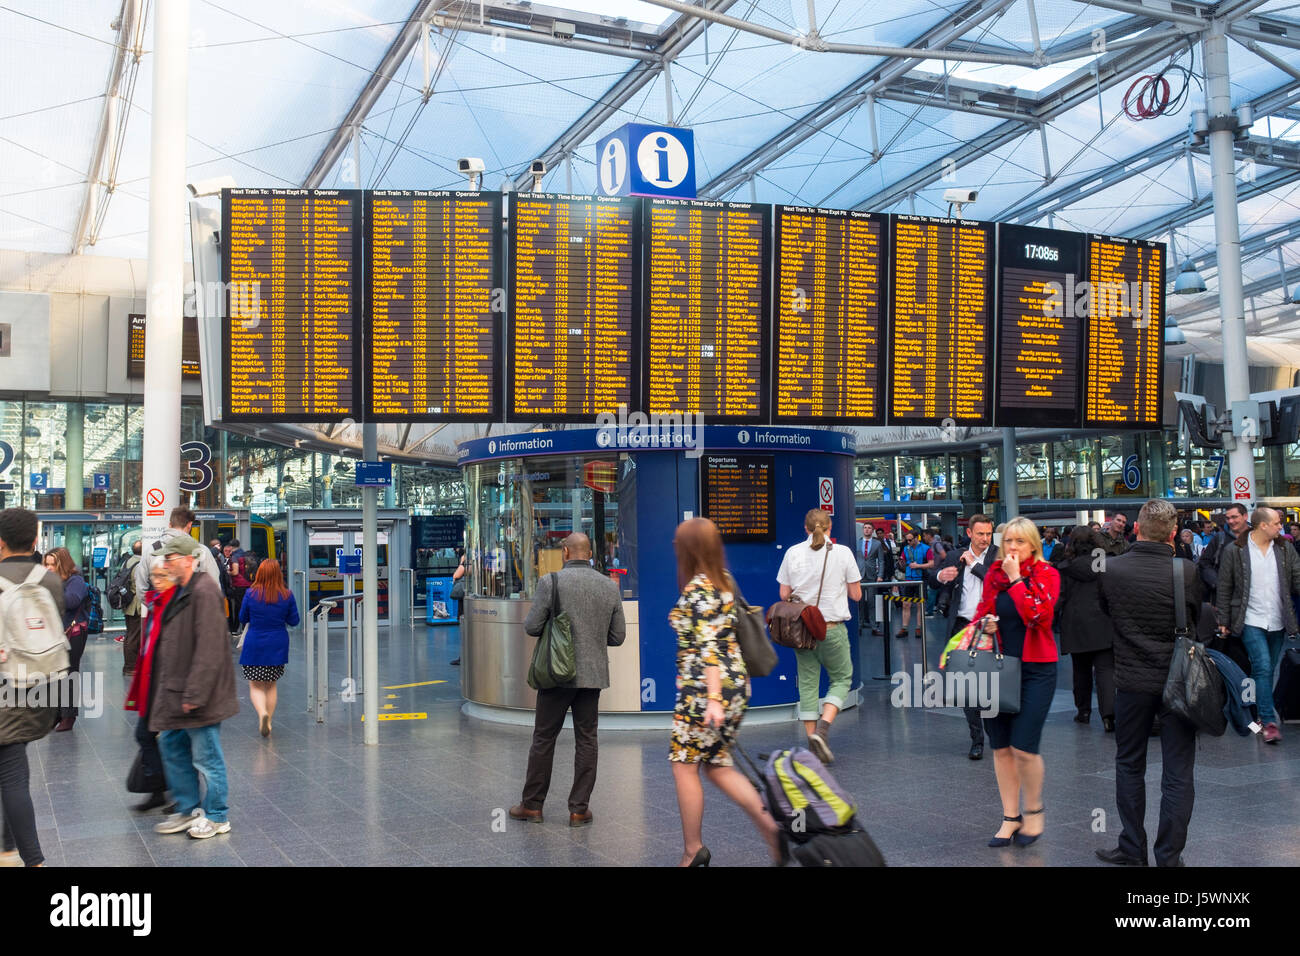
(269, 610)
(824, 574)
(712, 691)
(1020, 596)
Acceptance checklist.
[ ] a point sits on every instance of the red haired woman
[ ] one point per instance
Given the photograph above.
(269, 610)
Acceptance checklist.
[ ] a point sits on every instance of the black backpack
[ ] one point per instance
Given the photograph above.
(94, 612)
(121, 590)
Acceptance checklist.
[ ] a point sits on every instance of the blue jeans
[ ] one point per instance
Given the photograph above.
(196, 749)
(1265, 650)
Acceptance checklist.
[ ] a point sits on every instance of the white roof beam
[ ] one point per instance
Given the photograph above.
(128, 26)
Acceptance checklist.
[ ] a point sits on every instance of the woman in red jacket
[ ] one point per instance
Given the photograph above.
(1022, 593)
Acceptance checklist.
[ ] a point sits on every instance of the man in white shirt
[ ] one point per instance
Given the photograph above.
(825, 574)
(1254, 600)
(964, 573)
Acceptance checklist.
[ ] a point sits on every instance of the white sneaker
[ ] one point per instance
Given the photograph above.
(178, 822)
(208, 828)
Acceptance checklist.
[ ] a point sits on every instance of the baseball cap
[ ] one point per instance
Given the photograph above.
(179, 544)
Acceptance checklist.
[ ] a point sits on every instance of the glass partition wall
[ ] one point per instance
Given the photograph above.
(521, 510)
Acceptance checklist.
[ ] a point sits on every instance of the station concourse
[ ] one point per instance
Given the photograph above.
(408, 296)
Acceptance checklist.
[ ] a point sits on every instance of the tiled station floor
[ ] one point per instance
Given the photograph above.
(435, 791)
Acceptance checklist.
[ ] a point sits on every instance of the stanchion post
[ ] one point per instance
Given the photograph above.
(323, 661)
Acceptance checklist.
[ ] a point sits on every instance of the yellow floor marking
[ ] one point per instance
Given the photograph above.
(423, 683)
(399, 716)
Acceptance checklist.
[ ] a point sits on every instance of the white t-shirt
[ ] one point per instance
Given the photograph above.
(972, 589)
(801, 571)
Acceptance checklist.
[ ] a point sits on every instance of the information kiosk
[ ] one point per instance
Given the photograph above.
(627, 487)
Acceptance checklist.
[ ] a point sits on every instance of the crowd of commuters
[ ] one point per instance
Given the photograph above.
(1103, 595)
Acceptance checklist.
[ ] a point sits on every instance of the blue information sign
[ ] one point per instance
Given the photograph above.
(99, 557)
(374, 474)
(640, 160)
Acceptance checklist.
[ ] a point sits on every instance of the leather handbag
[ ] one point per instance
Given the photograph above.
(553, 662)
(1193, 688)
(137, 781)
(996, 677)
(795, 624)
(458, 590)
(759, 654)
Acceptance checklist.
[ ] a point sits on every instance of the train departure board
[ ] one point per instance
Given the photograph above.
(738, 494)
(706, 309)
(433, 309)
(292, 268)
(830, 266)
(135, 346)
(575, 273)
(1040, 333)
(1126, 333)
(941, 348)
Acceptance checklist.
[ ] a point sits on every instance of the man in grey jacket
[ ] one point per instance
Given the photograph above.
(595, 610)
(871, 565)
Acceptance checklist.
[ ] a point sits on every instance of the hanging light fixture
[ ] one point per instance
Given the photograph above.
(1189, 281)
(1173, 334)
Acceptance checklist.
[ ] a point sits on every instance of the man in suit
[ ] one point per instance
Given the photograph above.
(963, 572)
(872, 566)
(595, 611)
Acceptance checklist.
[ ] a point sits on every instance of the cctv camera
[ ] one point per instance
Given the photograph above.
(470, 164)
(538, 167)
(960, 195)
(210, 187)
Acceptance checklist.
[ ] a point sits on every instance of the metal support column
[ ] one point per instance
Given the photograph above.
(370, 599)
(1227, 237)
(75, 476)
(1010, 496)
(161, 463)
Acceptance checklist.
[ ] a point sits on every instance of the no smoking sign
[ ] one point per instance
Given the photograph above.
(826, 494)
(1242, 485)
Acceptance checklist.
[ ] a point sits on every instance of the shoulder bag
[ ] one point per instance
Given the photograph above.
(758, 652)
(553, 662)
(1194, 689)
(798, 625)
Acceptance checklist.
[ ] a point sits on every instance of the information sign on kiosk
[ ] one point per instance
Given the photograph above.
(640, 160)
(99, 557)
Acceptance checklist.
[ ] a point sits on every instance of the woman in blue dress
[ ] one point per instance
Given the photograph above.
(269, 610)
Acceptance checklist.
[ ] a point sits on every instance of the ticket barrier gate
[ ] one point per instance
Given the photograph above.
(318, 655)
(316, 538)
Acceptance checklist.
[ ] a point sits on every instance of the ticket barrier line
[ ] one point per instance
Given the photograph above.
(318, 654)
(886, 627)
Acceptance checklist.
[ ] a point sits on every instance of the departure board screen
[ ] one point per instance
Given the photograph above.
(292, 267)
(574, 300)
(433, 263)
(1040, 333)
(738, 494)
(706, 309)
(1126, 333)
(829, 366)
(135, 346)
(941, 347)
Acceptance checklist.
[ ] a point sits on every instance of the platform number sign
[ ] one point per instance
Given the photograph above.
(6, 459)
(197, 457)
(1132, 473)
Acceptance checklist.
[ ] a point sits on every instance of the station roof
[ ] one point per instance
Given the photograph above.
(814, 102)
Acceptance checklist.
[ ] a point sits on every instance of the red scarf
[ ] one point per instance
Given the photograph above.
(137, 698)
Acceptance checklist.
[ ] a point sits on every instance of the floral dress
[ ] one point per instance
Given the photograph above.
(705, 622)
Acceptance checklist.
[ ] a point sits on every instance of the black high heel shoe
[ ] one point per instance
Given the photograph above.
(702, 857)
(1020, 839)
(998, 841)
